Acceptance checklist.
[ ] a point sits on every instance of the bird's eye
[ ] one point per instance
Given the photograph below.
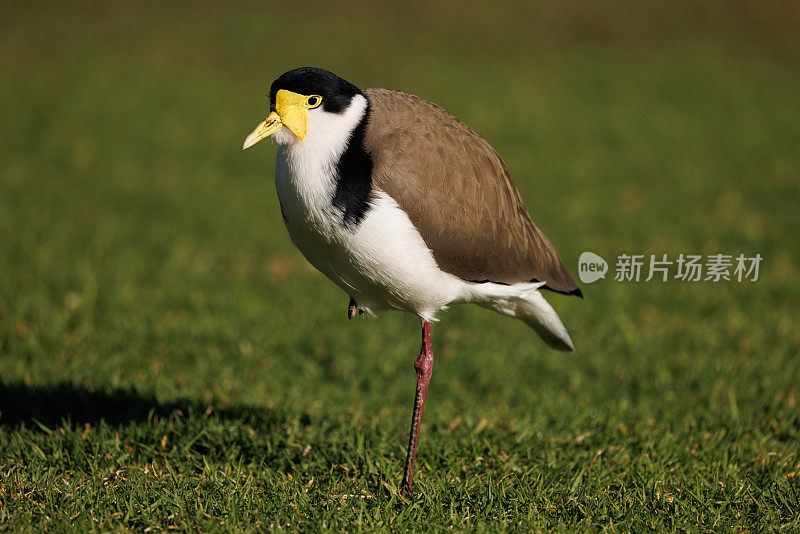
(314, 101)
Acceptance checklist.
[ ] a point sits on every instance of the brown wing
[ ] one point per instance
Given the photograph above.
(457, 193)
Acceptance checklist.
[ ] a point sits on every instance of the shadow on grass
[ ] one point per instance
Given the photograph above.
(45, 407)
(53, 404)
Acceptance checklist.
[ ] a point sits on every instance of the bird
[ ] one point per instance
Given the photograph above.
(407, 208)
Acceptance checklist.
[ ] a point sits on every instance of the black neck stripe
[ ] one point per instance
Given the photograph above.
(354, 177)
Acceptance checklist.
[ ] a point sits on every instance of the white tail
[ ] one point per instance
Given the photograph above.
(530, 306)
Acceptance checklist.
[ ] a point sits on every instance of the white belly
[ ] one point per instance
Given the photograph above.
(382, 261)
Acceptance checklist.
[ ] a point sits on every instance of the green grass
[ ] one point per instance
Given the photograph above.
(168, 360)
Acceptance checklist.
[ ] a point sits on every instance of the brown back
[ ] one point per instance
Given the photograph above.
(457, 193)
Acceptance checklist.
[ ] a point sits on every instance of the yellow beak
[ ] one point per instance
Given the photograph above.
(291, 110)
(269, 126)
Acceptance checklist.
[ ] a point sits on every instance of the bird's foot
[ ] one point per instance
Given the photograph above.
(352, 309)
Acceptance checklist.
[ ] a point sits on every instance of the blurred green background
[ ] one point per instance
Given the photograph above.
(169, 360)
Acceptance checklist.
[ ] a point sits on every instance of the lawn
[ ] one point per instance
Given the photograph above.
(169, 361)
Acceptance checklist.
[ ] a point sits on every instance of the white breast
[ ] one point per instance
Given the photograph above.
(382, 261)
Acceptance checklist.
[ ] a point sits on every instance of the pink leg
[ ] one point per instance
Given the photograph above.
(424, 368)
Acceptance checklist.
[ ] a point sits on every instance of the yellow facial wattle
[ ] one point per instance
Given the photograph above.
(291, 110)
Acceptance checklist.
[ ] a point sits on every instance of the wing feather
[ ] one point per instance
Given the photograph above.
(458, 193)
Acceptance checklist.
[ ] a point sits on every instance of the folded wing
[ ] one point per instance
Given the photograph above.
(458, 194)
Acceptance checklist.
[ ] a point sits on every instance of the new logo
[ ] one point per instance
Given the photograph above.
(591, 267)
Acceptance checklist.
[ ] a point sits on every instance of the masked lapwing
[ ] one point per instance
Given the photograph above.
(405, 207)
